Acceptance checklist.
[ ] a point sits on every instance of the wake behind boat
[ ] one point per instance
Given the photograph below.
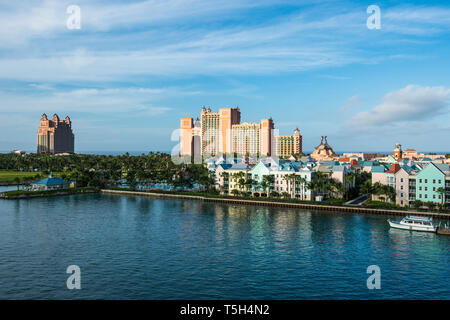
(414, 223)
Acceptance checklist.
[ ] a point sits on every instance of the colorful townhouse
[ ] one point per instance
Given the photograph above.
(432, 179)
(426, 182)
(228, 176)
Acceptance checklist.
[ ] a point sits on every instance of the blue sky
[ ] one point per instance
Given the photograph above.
(136, 67)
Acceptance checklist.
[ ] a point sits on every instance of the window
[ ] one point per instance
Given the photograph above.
(420, 195)
(401, 179)
(401, 187)
(420, 188)
(434, 181)
(426, 196)
(426, 180)
(440, 181)
(434, 196)
(401, 195)
(426, 188)
(420, 180)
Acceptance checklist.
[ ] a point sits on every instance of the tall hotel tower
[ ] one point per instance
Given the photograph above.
(287, 145)
(55, 135)
(222, 133)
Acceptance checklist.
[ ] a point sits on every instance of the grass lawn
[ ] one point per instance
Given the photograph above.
(13, 193)
(9, 175)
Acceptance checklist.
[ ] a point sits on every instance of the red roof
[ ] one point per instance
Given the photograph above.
(344, 159)
(394, 168)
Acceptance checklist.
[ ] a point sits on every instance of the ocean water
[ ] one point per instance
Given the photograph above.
(131, 247)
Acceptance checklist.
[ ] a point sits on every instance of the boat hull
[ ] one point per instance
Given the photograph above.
(398, 225)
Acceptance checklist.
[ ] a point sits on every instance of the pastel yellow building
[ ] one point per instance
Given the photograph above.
(288, 145)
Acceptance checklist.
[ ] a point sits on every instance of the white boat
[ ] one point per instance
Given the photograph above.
(414, 223)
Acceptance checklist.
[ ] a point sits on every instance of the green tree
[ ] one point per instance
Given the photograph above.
(441, 192)
(430, 205)
(417, 204)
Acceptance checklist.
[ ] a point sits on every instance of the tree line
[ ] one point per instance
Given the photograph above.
(107, 170)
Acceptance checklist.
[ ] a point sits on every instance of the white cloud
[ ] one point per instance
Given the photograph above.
(351, 103)
(90, 100)
(412, 103)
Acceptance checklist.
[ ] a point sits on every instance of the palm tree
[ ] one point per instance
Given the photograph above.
(319, 184)
(250, 183)
(417, 204)
(335, 187)
(430, 205)
(274, 194)
(238, 177)
(266, 183)
(290, 179)
(441, 192)
(234, 192)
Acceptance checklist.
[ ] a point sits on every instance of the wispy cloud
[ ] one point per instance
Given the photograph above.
(351, 103)
(92, 100)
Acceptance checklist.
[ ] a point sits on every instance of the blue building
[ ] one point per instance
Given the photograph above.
(52, 183)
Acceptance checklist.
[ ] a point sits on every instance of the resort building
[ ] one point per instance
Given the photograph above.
(398, 153)
(431, 180)
(231, 177)
(288, 145)
(52, 183)
(222, 133)
(428, 182)
(323, 151)
(412, 154)
(246, 139)
(360, 155)
(55, 136)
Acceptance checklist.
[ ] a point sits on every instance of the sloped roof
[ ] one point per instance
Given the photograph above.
(225, 166)
(339, 168)
(239, 166)
(378, 169)
(50, 181)
(287, 167)
(394, 168)
(445, 168)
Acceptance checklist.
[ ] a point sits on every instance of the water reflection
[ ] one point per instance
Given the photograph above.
(149, 248)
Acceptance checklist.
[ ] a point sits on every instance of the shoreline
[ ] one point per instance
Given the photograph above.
(46, 195)
(282, 204)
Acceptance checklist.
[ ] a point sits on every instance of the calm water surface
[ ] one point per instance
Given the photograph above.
(131, 247)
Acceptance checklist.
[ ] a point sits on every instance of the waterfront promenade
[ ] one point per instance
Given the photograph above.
(283, 204)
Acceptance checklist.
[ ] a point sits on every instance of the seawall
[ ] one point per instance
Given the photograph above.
(284, 204)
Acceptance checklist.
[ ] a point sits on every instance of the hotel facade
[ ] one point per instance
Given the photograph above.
(55, 136)
(287, 145)
(219, 133)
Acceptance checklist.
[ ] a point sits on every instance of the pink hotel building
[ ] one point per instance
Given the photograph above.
(222, 132)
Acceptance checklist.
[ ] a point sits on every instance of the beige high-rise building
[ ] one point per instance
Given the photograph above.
(288, 145)
(222, 133)
(246, 139)
(55, 136)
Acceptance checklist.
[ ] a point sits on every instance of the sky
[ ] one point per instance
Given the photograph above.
(134, 68)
